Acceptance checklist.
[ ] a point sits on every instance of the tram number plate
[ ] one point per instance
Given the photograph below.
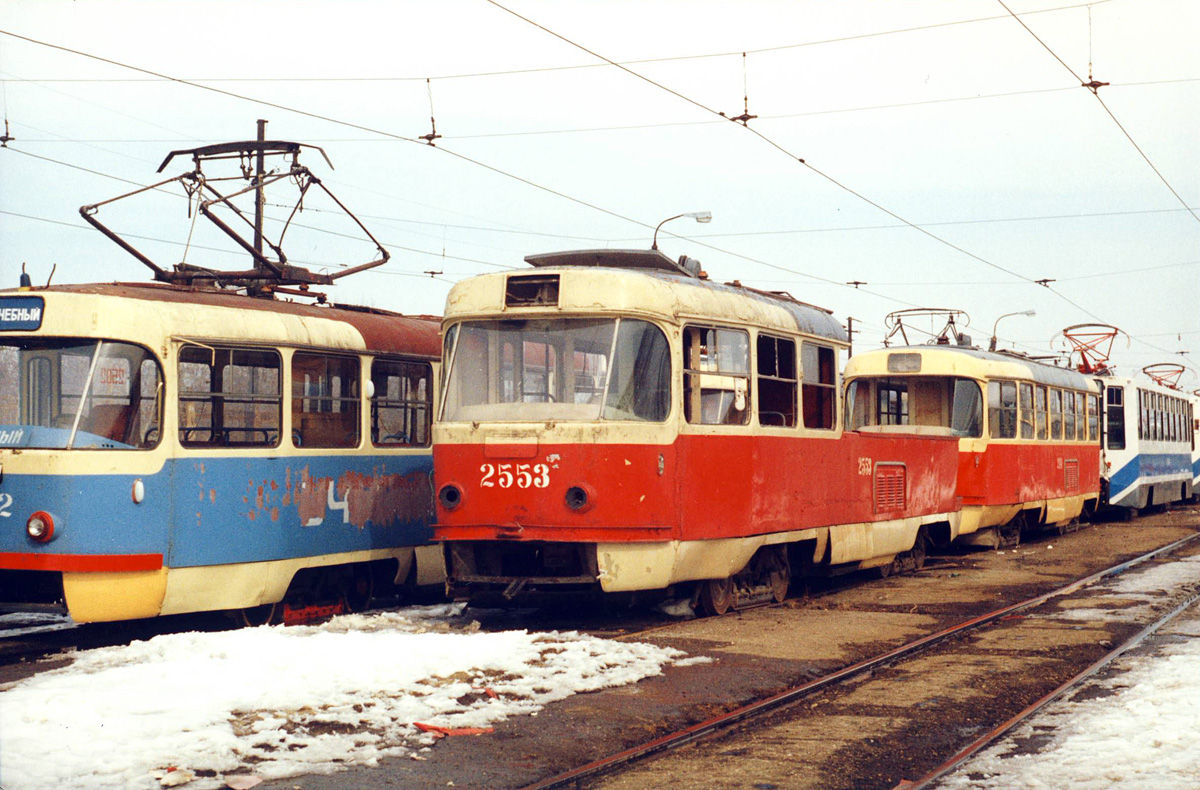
(519, 475)
(864, 467)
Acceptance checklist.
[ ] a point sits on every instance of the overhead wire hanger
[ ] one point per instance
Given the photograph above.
(745, 117)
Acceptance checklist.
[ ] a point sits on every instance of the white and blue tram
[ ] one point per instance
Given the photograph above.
(168, 449)
(1149, 448)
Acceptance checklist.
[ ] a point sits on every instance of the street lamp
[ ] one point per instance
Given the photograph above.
(699, 216)
(992, 345)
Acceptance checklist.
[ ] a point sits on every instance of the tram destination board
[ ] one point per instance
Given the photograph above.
(21, 313)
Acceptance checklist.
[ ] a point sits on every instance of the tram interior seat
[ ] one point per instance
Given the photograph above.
(110, 420)
(318, 429)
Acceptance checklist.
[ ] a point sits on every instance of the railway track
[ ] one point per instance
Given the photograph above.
(627, 759)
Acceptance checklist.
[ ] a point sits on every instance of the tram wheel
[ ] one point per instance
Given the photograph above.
(253, 616)
(779, 577)
(919, 551)
(716, 595)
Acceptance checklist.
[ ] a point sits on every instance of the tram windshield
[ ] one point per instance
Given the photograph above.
(78, 393)
(936, 404)
(563, 369)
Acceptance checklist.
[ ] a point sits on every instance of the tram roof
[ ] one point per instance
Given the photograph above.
(969, 361)
(381, 330)
(645, 281)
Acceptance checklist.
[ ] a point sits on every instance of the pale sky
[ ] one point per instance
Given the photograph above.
(947, 114)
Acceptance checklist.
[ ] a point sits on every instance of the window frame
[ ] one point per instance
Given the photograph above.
(325, 431)
(409, 406)
(219, 399)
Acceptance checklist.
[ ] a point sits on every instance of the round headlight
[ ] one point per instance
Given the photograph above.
(40, 526)
(451, 496)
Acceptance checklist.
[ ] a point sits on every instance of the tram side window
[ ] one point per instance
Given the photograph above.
(1093, 418)
(1056, 415)
(1040, 414)
(776, 381)
(819, 394)
(402, 403)
(1114, 417)
(1069, 416)
(1002, 409)
(717, 378)
(1026, 410)
(325, 400)
(229, 397)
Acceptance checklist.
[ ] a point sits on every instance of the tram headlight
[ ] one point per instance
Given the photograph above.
(450, 496)
(40, 526)
(580, 498)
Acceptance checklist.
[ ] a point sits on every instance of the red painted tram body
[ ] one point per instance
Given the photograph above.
(614, 422)
(1028, 433)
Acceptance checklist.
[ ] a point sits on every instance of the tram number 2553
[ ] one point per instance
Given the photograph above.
(519, 475)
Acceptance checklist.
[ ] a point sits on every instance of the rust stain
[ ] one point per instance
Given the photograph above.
(253, 514)
(310, 494)
(258, 501)
(386, 499)
(274, 514)
(274, 486)
(212, 495)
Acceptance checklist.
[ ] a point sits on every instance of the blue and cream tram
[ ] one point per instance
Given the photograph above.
(1149, 443)
(167, 450)
(201, 444)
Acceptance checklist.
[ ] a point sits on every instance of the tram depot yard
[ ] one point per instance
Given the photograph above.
(893, 725)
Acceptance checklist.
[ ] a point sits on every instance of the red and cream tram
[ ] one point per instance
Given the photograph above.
(615, 422)
(1028, 433)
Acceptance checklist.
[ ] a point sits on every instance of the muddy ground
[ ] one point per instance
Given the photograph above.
(873, 733)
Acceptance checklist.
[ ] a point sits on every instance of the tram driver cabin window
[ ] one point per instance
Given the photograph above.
(229, 397)
(717, 377)
(324, 400)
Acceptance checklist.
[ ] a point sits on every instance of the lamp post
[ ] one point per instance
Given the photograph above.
(699, 216)
(992, 345)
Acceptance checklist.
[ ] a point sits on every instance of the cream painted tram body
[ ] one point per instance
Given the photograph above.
(1028, 433)
(167, 450)
(613, 422)
(1150, 455)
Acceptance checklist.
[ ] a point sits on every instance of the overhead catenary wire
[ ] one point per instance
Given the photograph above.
(399, 137)
(442, 149)
(580, 66)
(1094, 87)
(776, 145)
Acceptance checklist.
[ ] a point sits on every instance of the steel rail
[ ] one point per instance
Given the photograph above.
(986, 739)
(596, 768)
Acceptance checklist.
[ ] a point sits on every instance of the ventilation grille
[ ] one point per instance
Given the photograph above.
(890, 487)
(529, 290)
(1071, 475)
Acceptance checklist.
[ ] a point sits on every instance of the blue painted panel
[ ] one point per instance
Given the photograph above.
(246, 510)
(1161, 467)
(225, 510)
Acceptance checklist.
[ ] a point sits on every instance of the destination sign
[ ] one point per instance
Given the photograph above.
(21, 313)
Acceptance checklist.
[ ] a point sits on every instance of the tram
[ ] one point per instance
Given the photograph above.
(202, 443)
(614, 422)
(1028, 434)
(1150, 455)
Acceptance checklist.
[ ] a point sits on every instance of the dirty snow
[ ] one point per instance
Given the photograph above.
(1135, 730)
(284, 701)
(1142, 737)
